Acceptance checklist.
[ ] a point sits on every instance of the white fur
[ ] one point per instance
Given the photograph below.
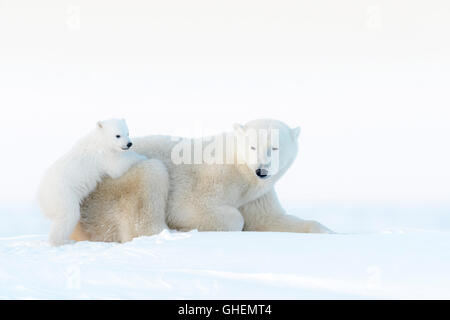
(230, 197)
(103, 152)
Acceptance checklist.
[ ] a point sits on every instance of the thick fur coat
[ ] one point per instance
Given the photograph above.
(206, 196)
(103, 152)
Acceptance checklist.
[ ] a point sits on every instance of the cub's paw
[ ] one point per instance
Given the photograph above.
(136, 157)
(141, 157)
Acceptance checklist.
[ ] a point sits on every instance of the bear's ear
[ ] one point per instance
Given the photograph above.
(100, 125)
(239, 128)
(295, 133)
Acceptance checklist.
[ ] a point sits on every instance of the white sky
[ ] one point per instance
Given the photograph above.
(368, 82)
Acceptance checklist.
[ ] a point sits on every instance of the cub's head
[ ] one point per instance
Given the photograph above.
(115, 134)
(268, 147)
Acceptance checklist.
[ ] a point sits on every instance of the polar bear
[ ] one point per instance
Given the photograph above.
(103, 152)
(237, 194)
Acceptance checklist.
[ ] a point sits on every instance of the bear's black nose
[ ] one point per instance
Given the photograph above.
(262, 173)
(129, 144)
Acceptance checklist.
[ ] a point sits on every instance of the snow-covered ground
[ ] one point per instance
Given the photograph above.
(389, 259)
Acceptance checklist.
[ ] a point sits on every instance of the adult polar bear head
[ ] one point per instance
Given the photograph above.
(268, 147)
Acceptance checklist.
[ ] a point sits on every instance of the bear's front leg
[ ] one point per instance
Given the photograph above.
(219, 218)
(121, 164)
(266, 214)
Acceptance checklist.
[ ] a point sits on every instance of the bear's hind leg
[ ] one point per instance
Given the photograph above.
(131, 206)
(63, 227)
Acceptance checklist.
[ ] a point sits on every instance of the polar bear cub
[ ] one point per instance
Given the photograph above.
(103, 152)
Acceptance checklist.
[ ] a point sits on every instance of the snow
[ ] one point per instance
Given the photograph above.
(384, 263)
